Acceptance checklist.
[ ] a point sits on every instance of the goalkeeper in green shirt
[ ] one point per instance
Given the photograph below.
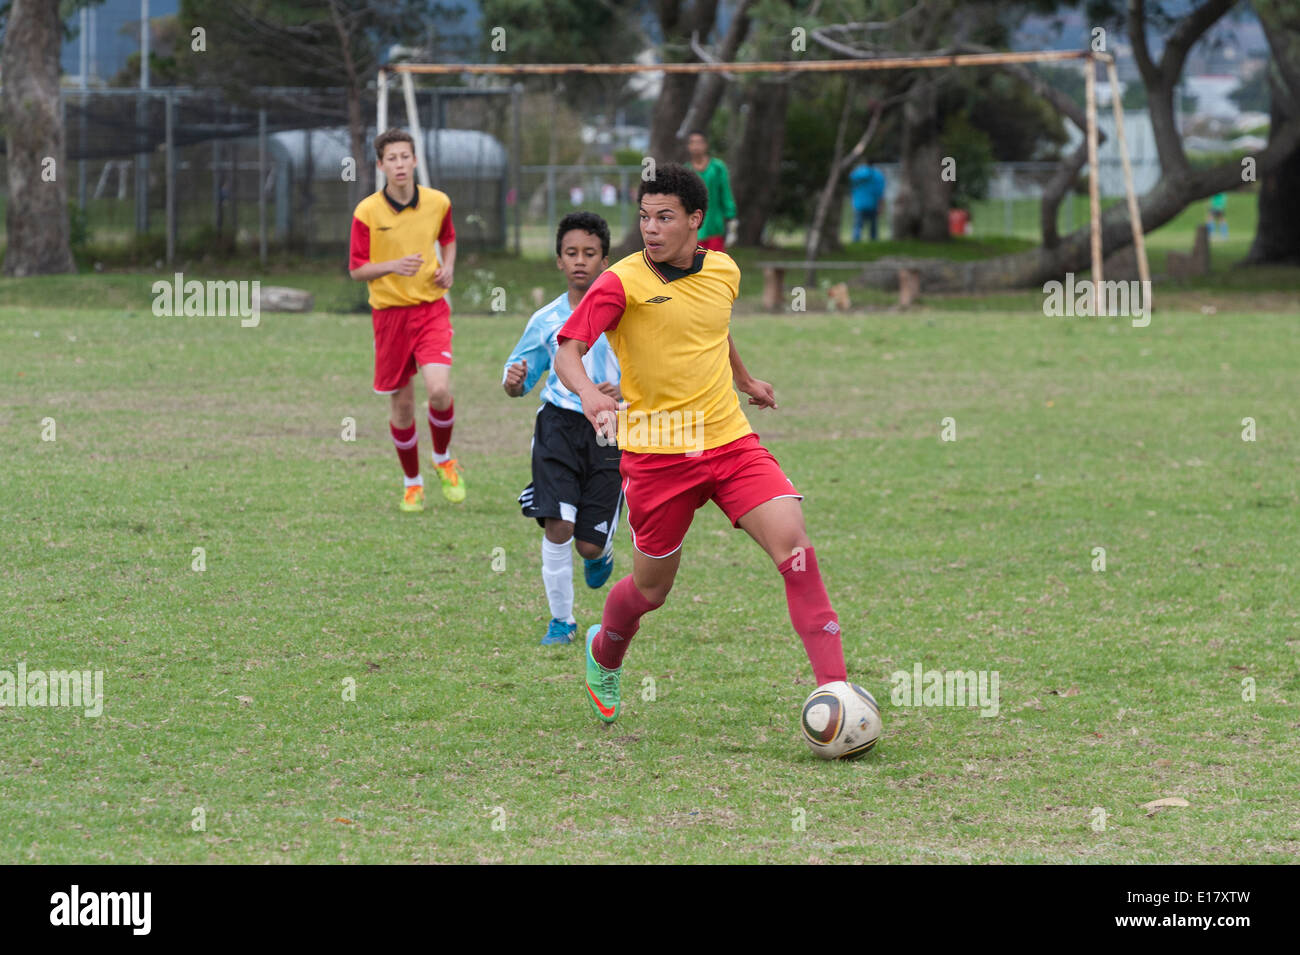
(718, 230)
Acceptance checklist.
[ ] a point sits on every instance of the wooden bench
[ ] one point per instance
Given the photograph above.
(909, 280)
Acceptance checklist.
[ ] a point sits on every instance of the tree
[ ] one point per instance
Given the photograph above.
(301, 43)
(1135, 96)
(931, 98)
(563, 31)
(688, 99)
(825, 225)
(920, 208)
(1067, 79)
(1180, 182)
(971, 150)
(679, 22)
(820, 115)
(164, 39)
(37, 216)
(1277, 235)
(1252, 95)
(763, 105)
(1018, 123)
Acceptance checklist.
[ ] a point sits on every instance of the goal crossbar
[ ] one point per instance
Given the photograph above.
(930, 61)
(1090, 58)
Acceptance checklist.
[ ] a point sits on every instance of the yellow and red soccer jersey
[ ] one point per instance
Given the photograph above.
(382, 231)
(668, 327)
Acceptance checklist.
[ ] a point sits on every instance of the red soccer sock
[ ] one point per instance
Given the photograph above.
(812, 616)
(408, 448)
(624, 608)
(440, 423)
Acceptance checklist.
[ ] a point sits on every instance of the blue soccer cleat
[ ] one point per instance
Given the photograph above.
(559, 632)
(597, 569)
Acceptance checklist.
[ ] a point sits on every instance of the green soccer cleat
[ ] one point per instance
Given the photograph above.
(453, 485)
(602, 684)
(413, 498)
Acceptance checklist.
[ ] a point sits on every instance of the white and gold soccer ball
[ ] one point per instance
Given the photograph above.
(840, 721)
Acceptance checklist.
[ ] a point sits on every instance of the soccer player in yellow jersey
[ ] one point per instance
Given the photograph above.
(392, 249)
(666, 312)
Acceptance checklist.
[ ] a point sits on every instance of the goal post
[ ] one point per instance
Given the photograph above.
(1089, 59)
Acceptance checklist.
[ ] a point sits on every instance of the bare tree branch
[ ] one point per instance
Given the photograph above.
(879, 24)
(707, 57)
(1137, 33)
(832, 182)
(836, 46)
(870, 133)
(708, 91)
(1162, 78)
(1190, 29)
(1068, 170)
(1055, 190)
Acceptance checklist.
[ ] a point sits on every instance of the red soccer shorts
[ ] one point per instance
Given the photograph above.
(714, 243)
(406, 337)
(663, 491)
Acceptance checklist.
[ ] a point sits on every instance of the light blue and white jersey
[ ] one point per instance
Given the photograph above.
(538, 346)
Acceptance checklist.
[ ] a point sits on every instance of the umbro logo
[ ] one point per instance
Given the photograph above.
(657, 299)
(383, 228)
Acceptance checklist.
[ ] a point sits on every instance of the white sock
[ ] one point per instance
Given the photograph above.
(557, 578)
(441, 458)
(417, 481)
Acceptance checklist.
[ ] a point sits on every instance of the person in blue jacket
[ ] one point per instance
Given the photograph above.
(868, 185)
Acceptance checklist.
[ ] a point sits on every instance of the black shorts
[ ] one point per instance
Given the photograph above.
(574, 478)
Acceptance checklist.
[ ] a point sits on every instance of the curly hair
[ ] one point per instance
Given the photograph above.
(587, 222)
(674, 179)
(390, 136)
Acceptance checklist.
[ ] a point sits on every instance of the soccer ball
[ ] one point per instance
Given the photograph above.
(840, 721)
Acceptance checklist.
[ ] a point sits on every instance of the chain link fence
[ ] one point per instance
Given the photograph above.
(191, 171)
(188, 172)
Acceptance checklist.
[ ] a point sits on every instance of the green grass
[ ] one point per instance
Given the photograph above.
(477, 275)
(989, 218)
(224, 688)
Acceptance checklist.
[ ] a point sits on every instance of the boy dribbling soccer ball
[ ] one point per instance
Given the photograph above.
(666, 312)
(574, 493)
(394, 232)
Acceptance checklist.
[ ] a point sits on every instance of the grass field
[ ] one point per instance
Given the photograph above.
(224, 688)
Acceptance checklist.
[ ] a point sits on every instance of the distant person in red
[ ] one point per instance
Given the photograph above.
(719, 227)
(394, 234)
